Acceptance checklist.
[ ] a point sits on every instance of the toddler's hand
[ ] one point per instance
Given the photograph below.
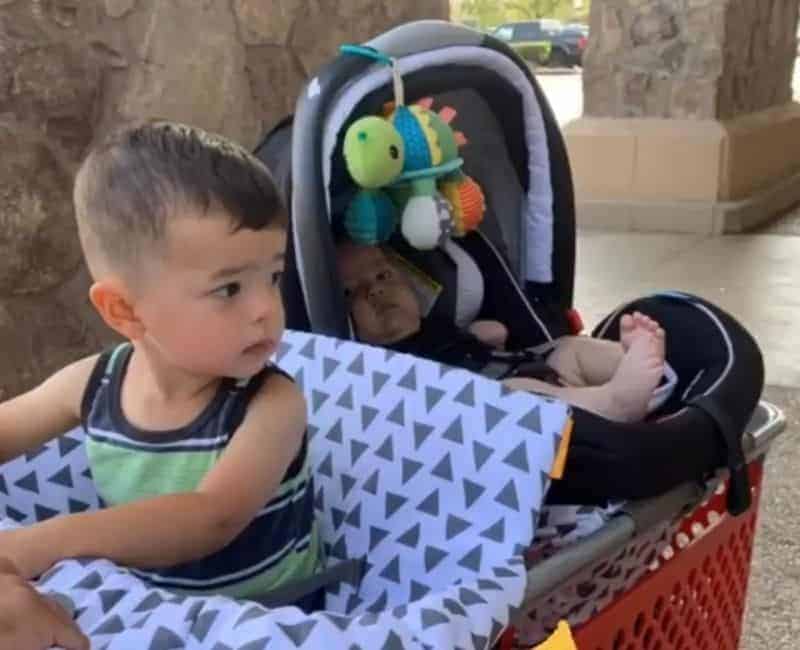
(29, 621)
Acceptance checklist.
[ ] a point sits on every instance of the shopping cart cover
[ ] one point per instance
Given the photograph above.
(433, 475)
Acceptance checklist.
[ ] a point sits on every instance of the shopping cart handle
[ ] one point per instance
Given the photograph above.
(739, 497)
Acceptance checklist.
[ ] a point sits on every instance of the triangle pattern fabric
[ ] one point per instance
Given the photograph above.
(408, 475)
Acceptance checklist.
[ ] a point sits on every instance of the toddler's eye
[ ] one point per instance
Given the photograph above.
(348, 293)
(384, 275)
(228, 290)
(277, 277)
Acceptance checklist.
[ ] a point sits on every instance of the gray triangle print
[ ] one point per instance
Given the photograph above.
(410, 538)
(432, 397)
(488, 585)
(391, 571)
(93, 581)
(497, 628)
(468, 597)
(329, 366)
(467, 395)
(258, 644)
(454, 607)
(455, 432)
(532, 420)
(479, 642)
(379, 380)
(357, 366)
(444, 469)
(503, 572)
(298, 633)
(138, 625)
(249, 614)
(165, 639)
(66, 444)
(481, 453)
(409, 380)
(368, 415)
(3, 486)
(393, 642)
(43, 513)
(431, 617)
(35, 453)
(357, 449)
(410, 468)
(203, 624)
(340, 622)
(109, 598)
(335, 434)
(508, 496)
(346, 399)
(430, 506)
(376, 536)
(418, 590)
(433, 557)
(62, 477)
(455, 526)
(152, 601)
(386, 450)
(371, 484)
(283, 349)
(472, 492)
(326, 466)
(77, 506)
(421, 433)
(347, 484)
(393, 503)
(496, 532)
(309, 350)
(112, 626)
(398, 415)
(354, 517)
(494, 416)
(29, 482)
(318, 398)
(518, 458)
(378, 606)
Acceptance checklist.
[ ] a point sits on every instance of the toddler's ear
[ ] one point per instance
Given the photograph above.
(113, 301)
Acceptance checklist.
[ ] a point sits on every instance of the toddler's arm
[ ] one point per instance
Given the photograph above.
(172, 529)
(52, 408)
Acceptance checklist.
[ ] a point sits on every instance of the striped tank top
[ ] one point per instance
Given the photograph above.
(280, 546)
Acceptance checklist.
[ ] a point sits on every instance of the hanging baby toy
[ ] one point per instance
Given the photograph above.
(407, 163)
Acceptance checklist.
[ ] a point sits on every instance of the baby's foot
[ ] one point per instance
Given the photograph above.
(631, 326)
(637, 377)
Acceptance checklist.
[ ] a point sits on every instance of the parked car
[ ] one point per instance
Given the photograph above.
(531, 39)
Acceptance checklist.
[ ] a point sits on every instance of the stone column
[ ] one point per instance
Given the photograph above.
(71, 68)
(689, 105)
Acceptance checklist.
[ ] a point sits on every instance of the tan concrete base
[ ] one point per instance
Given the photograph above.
(694, 176)
(696, 217)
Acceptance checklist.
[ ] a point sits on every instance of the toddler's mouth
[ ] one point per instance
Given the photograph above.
(264, 347)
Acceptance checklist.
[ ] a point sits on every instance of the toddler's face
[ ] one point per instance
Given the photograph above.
(212, 304)
(382, 304)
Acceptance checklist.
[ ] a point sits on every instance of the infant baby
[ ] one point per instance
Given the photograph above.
(614, 380)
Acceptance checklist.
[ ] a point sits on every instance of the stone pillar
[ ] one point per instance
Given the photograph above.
(71, 68)
(689, 105)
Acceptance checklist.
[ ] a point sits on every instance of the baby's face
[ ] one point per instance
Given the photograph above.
(383, 306)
